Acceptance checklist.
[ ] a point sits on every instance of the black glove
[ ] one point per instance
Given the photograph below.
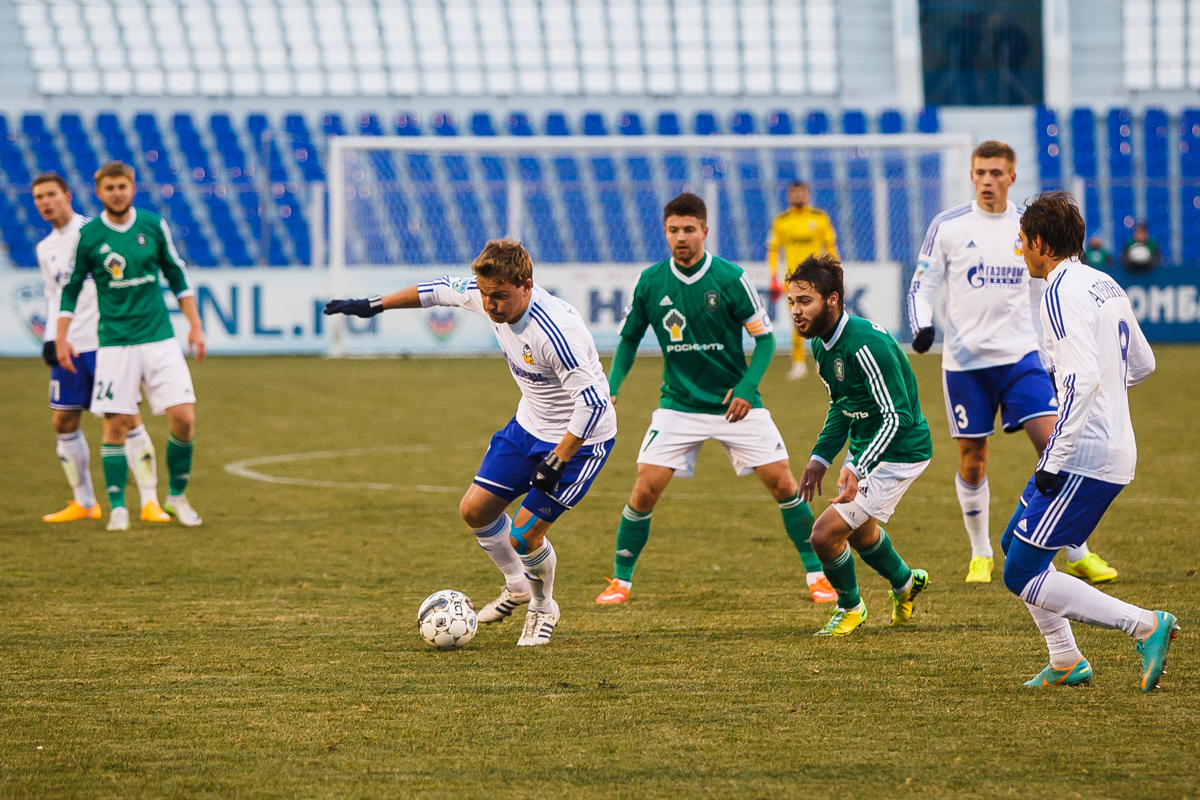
(923, 340)
(50, 354)
(367, 307)
(1046, 482)
(548, 473)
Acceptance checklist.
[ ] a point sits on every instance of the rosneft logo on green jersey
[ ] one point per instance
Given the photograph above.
(114, 265)
(674, 322)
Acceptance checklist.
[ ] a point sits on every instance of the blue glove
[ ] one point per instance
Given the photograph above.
(548, 473)
(367, 307)
(1047, 483)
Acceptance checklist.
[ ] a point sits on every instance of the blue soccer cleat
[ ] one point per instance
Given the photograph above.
(1153, 649)
(1077, 674)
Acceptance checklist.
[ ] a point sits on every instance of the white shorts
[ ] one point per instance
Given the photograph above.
(675, 438)
(160, 366)
(880, 492)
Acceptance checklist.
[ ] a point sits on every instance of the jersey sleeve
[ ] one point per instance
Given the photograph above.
(636, 319)
(748, 308)
(51, 291)
(173, 268)
(931, 271)
(1077, 372)
(451, 291)
(1037, 290)
(578, 369)
(833, 435)
(70, 292)
(883, 376)
(1139, 358)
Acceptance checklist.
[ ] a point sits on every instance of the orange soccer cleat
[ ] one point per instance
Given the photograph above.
(73, 512)
(615, 593)
(153, 512)
(821, 591)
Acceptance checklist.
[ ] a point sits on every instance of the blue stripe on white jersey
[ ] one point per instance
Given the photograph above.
(555, 335)
(948, 214)
(1064, 412)
(1054, 308)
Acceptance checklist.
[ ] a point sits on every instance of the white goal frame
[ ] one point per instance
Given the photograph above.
(954, 186)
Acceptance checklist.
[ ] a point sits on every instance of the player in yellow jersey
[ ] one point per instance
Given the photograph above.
(801, 231)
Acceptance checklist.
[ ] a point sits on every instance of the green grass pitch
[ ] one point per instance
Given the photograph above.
(273, 652)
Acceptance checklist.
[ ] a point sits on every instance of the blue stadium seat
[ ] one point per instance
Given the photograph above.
(1189, 151)
(927, 120)
(706, 124)
(895, 172)
(824, 183)
(154, 149)
(408, 124)
(332, 125)
(891, 121)
(230, 149)
(519, 125)
(394, 204)
(303, 149)
(861, 190)
(593, 125)
(779, 123)
(481, 125)
(1083, 155)
(556, 125)
(1049, 153)
(630, 124)
(741, 122)
(1158, 190)
(1120, 171)
(445, 125)
(668, 124)
(538, 199)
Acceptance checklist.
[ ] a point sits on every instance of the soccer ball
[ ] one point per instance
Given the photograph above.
(447, 620)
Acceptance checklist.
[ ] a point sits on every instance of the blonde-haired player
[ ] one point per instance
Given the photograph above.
(800, 231)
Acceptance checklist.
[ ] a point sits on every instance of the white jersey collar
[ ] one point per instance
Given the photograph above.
(704, 265)
(119, 228)
(978, 209)
(837, 332)
(73, 225)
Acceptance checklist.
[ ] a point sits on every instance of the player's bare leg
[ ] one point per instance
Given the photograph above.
(528, 538)
(484, 514)
(634, 529)
(181, 420)
(975, 497)
(73, 454)
(798, 523)
(1081, 562)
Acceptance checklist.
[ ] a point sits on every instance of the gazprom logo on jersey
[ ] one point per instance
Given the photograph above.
(982, 275)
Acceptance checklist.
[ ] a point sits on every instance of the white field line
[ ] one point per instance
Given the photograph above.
(244, 469)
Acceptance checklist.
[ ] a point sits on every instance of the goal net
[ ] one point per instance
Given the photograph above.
(596, 202)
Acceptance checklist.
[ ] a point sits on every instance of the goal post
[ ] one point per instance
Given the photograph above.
(404, 201)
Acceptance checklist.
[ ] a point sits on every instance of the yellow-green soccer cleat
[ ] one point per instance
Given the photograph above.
(1077, 674)
(902, 604)
(1092, 568)
(980, 570)
(1153, 649)
(844, 621)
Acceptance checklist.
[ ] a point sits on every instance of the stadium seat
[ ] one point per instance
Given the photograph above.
(481, 125)
(861, 191)
(779, 123)
(1049, 156)
(1157, 180)
(1083, 154)
(593, 125)
(1120, 172)
(706, 124)
(445, 125)
(741, 122)
(668, 124)
(895, 173)
(556, 125)
(1189, 148)
(410, 125)
(824, 182)
(630, 124)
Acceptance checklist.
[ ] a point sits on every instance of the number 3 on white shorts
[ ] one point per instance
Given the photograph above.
(104, 390)
(961, 414)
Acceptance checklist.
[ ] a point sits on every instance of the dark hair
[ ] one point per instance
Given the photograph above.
(797, 185)
(822, 272)
(51, 177)
(1055, 217)
(115, 169)
(504, 260)
(686, 205)
(994, 149)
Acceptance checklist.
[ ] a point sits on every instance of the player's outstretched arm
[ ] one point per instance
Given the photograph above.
(408, 297)
(811, 479)
(63, 350)
(621, 364)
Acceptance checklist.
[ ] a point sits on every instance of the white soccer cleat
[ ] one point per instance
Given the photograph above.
(799, 370)
(502, 607)
(179, 506)
(539, 626)
(118, 519)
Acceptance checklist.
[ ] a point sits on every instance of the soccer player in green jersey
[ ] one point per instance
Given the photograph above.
(873, 400)
(698, 305)
(125, 250)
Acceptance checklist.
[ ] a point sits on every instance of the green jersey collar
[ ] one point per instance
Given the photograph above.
(119, 228)
(837, 331)
(690, 279)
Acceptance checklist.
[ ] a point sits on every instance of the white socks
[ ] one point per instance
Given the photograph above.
(1074, 599)
(975, 498)
(1059, 639)
(539, 568)
(494, 541)
(72, 449)
(139, 454)
(1074, 553)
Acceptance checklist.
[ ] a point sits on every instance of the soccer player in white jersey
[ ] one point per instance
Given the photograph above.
(1097, 351)
(990, 358)
(553, 448)
(71, 392)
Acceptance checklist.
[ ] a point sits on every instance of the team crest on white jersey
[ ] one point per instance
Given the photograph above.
(674, 322)
(527, 354)
(1017, 247)
(114, 265)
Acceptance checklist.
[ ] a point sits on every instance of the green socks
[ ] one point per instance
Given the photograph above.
(840, 572)
(113, 458)
(884, 559)
(632, 534)
(179, 464)
(798, 522)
